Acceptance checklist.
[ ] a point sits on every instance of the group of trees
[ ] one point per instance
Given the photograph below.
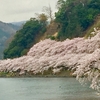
(25, 38)
(75, 16)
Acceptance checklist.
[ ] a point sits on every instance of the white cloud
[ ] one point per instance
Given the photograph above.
(18, 10)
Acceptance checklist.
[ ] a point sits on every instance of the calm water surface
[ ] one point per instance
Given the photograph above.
(44, 89)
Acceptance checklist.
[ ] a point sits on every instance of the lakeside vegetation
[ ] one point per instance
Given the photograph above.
(78, 54)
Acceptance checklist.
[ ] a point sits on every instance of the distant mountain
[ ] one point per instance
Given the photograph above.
(19, 23)
(6, 31)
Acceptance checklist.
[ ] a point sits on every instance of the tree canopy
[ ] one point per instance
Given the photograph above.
(24, 38)
(75, 16)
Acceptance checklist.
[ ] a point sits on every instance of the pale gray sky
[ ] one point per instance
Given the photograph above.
(20, 10)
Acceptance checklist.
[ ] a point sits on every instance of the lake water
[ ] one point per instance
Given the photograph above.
(44, 89)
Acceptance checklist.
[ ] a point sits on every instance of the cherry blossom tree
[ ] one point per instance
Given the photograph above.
(80, 55)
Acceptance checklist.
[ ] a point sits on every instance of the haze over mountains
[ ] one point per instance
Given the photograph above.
(18, 23)
(6, 31)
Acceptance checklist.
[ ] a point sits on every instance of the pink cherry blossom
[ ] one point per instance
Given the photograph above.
(79, 54)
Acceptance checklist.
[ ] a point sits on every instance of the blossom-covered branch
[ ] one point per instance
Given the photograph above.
(79, 54)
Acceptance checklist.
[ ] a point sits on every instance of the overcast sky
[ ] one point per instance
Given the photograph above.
(21, 10)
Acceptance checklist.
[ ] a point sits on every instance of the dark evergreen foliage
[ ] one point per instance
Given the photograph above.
(75, 16)
(24, 38)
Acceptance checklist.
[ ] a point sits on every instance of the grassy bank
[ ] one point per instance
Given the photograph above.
(49, 73)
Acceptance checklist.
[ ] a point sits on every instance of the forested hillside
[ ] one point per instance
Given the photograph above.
(72, 19)
(75, 16)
